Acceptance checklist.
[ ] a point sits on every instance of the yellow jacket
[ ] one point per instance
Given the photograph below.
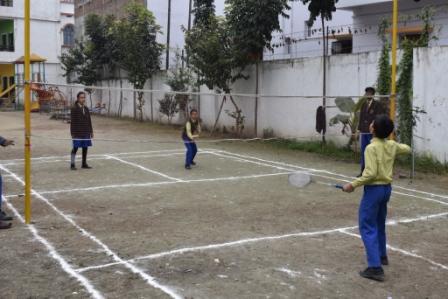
(379, 160)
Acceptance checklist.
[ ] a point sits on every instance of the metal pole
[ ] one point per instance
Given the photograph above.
(168, 31)
(27, 115)
(394, 60)
(256, 98)
(189, 25)
(324, 82)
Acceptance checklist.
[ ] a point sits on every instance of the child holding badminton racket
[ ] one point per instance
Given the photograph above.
(376, 179)
(191, 131)
(4, 224)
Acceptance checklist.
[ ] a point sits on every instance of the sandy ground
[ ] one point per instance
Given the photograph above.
(138, 225)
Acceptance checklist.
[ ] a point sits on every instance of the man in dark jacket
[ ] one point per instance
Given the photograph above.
(4, 224)
(80, 129)
(369, 110)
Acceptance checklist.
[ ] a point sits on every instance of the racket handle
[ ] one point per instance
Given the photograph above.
(337, 186)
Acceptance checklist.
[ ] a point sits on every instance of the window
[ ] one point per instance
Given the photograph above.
(342, 47)
(413, 37)
(6, 3)
(7, 42)
(307, 29)
(69, 35)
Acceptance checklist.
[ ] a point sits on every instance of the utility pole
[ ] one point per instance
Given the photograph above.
(168, 30)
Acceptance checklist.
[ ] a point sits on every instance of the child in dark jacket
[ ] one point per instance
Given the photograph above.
(81, 130)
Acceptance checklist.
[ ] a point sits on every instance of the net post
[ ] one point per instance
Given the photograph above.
(27, 115)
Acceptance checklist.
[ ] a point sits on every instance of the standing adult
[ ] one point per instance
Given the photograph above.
(4, 219)
(81, 130)
(369, 110)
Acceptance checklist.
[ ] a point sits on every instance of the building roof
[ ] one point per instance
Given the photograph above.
(33, 59)
(350, 4)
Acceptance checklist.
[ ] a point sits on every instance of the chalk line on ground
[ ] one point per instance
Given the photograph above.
(145, 169)
(56, 256)
(147, 278)
(404, 252)
(259, 239)
(311, 170)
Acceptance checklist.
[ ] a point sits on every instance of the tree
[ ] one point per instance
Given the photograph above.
(180, 79)
(91, 59)
(324, 9)
(408, 115)
(139, 53)
(251, 24)
(384, 67)
(210, 55)
(203, 10)
(80, 67)
(101, 43)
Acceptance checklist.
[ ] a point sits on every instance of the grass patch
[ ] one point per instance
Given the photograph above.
(330, 149)
(423, 163)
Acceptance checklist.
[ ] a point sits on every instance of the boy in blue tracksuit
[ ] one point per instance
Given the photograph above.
(377, 178)
(190, 132)
(4, 224)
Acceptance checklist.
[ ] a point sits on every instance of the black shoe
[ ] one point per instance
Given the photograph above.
(5, 225)
(73, 167)
(187, 167)
(373, 273)
(4, 217)
(85, 166)
(384, 261)
(193, 163)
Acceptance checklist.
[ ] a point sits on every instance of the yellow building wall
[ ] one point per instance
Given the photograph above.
(6, 70)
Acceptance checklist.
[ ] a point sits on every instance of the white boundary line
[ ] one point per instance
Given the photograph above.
(211, 150)
(133, 185)
(237, 157)
(404, 252)
(106, 158)
(145, 169)
(93, 155)
(260, 239)
(324, 171)
(147, 278)
(56, 256)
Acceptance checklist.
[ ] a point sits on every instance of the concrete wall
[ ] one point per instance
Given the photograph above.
(348, 75)
(431, 94)
(295, 117)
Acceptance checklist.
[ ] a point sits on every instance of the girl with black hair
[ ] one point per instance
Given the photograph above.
(81, 130)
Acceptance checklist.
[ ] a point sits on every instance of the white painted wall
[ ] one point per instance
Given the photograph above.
(348, 75)
(431, 94)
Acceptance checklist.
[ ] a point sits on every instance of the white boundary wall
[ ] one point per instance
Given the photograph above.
(295, 117)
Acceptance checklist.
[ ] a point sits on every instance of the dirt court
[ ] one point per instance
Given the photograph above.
(138, 225)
